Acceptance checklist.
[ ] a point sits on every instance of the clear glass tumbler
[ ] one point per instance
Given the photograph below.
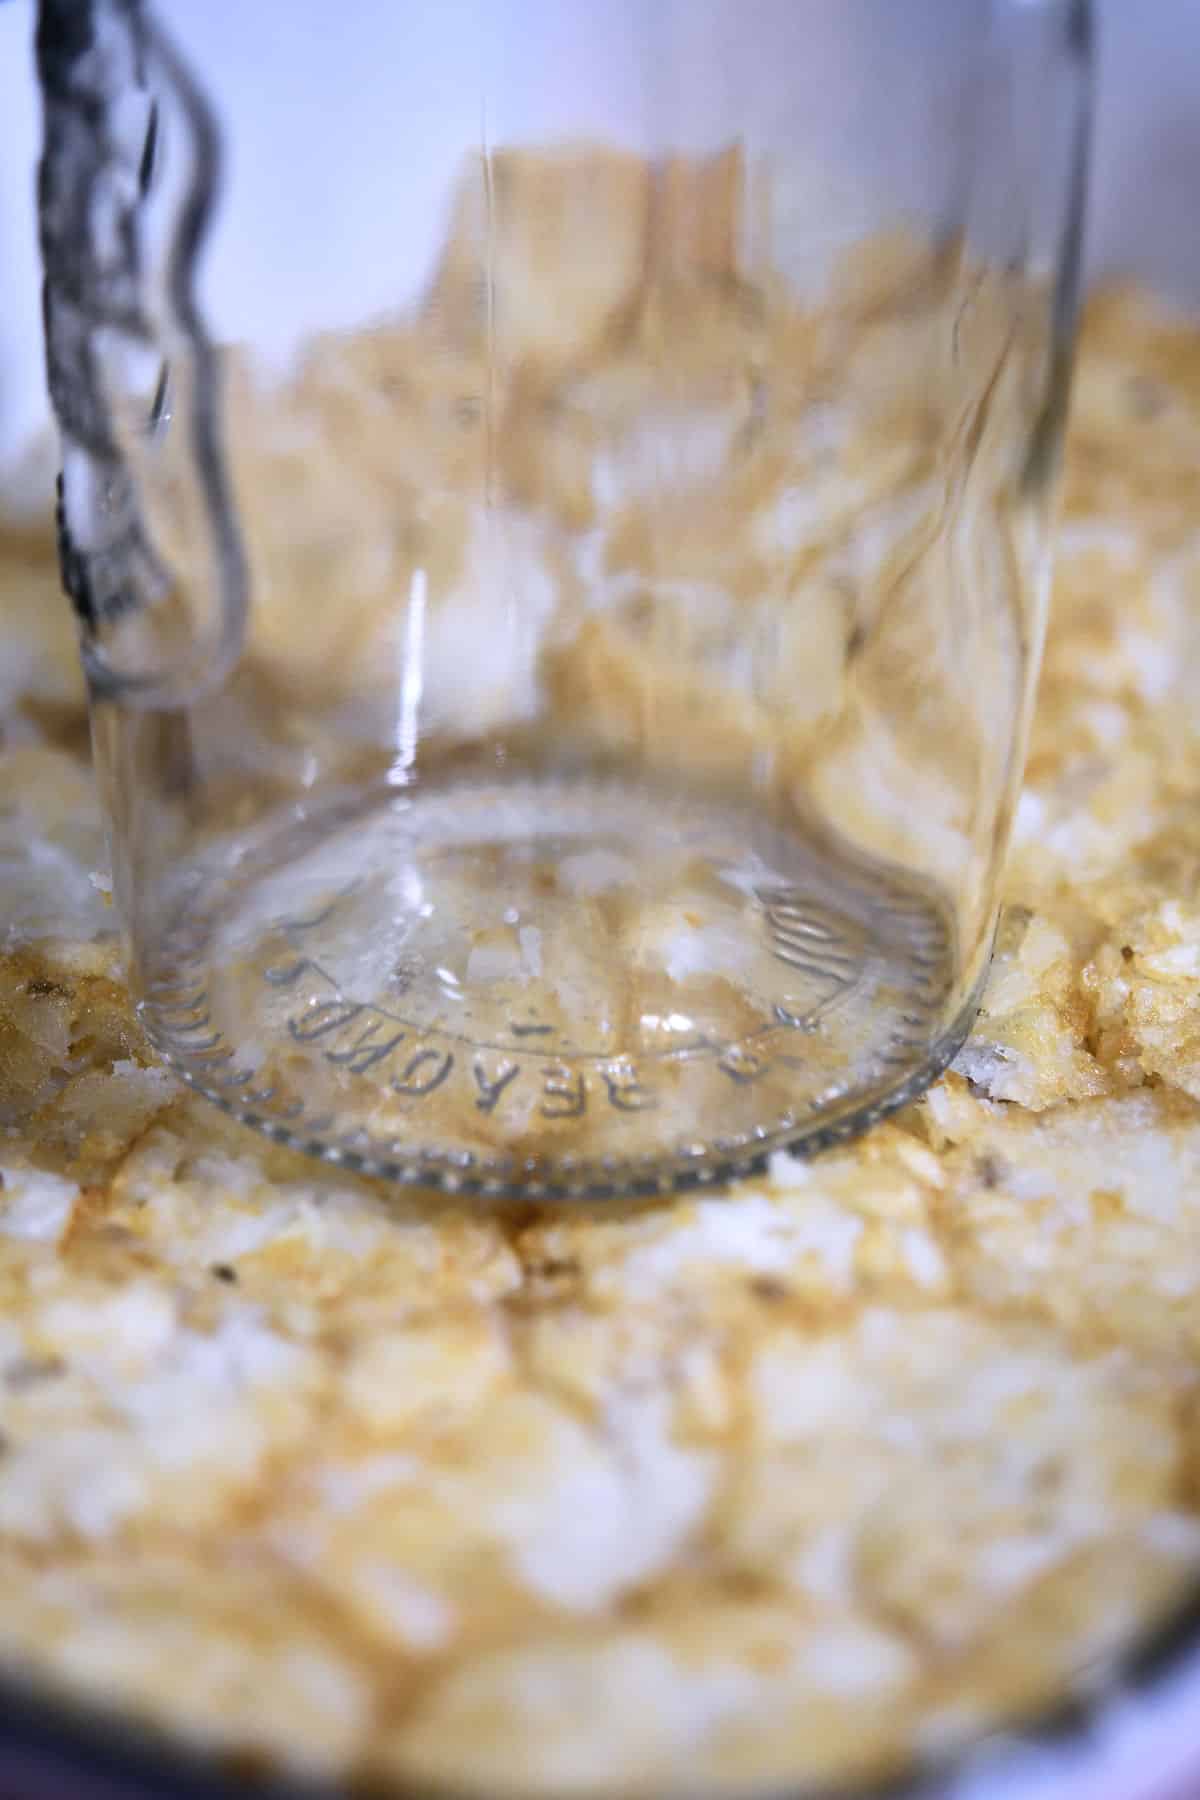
(555, 495)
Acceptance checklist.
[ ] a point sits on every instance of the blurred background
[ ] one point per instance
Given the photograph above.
(1147, 152)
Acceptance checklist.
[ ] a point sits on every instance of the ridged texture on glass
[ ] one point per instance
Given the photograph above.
(125, 348)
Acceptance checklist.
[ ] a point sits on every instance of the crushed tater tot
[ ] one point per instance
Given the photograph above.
(785, 1483)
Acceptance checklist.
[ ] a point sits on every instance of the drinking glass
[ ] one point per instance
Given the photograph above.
(556, 500)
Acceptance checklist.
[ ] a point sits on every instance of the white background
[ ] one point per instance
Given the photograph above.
(361, 60)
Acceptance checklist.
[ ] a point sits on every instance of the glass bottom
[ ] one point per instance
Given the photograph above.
(551, 987)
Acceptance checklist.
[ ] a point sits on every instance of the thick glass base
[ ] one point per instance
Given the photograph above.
(551, 987)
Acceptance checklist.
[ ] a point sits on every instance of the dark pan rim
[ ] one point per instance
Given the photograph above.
(54, 1748)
